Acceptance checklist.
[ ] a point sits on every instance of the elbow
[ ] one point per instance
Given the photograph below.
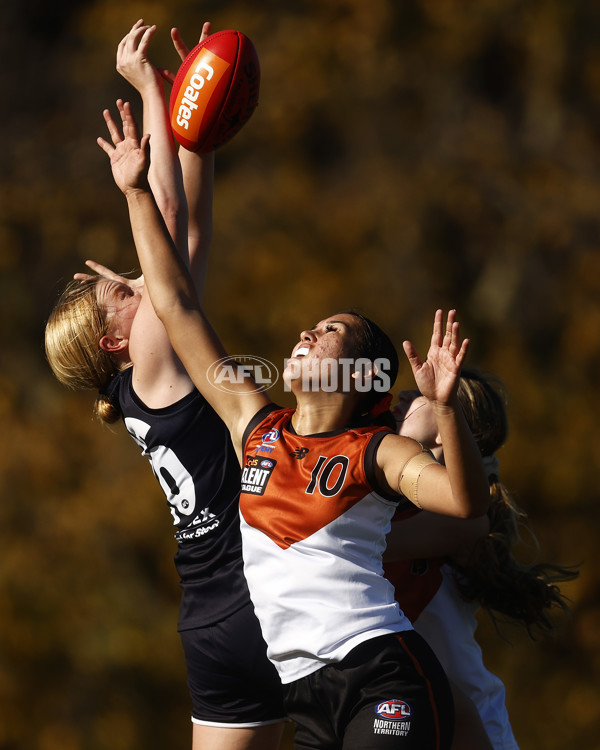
(478, 506)
(164, 310)
(175, 306)
(171, 306)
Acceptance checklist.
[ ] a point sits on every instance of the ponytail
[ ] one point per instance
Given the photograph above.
(505, 587)
(527, 593)
(106, 409)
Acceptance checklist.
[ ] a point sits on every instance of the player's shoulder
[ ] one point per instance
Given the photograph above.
(264, 419)
(394, 446)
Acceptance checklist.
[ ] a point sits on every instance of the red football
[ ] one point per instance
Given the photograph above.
(215, 91)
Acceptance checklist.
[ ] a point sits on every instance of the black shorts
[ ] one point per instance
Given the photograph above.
(230, 679)
(389, 692)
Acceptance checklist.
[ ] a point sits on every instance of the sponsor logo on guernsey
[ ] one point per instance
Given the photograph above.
(299, 453)
(271, 436)
(203, 523)
(256, 474)
(264, 449)
(393, 718)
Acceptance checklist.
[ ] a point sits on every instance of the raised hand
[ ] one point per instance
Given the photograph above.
(129, 155)
(108, 273)
(132, 59)
(182, 48)
(437, 377)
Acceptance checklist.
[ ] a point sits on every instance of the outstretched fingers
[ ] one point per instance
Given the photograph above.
(437, 336)
(449, 324)
(180, 46)
(455, 340)
(113, 128)
(136, 25)
(182, 49)
(130, 128)
(144, 42)
(100, 270)
(107, 147)
(412, 355)
(129, 155)
(137, 33)
(452, 342)
(437, 376)
(126, 39)
(452, 335)
(462, 352)
(206, 30)
(452, 338)
(448, 336)
(128, 131)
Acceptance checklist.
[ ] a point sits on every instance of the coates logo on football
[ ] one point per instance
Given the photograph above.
(243, 374)
(393, 710)
(271, 437)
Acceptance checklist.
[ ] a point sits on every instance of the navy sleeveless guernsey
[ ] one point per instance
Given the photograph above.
(192, 457)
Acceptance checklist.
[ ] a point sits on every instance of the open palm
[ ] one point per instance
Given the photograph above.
(129, 157)
(437, 377)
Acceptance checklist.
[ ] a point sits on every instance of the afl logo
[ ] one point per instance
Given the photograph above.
(271, 436)
(243, 373)
(266, 464)
(394, 710)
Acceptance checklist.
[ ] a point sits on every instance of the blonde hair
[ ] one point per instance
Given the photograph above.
(72, 336)
(492, 575)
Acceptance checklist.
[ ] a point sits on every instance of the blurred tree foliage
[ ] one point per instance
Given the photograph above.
(406, 155)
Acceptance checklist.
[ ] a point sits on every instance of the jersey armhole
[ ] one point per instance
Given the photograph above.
(261, 414)
(369, 465)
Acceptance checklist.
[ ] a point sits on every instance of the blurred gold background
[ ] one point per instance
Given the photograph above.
(405, 155)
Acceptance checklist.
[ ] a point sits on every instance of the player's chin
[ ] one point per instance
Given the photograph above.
(291, 376)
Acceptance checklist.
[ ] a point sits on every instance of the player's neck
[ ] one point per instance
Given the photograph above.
(322, 412)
